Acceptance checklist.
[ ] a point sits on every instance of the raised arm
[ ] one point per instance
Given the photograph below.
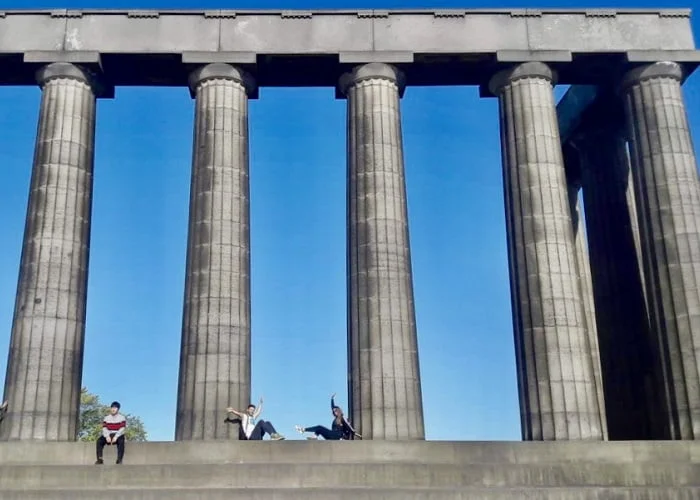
(258, 409)
(332, 401)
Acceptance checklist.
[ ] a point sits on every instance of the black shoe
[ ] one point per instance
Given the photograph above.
(229, 420)
(99, 461)
(119, 461)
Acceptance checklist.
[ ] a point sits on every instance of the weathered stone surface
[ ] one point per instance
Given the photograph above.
(46, 348)
(585, 282)
(366, 452)
(629, 366)
(558, 396)
(668, 197)
(215, 353)
(359, 469)
(385, 391)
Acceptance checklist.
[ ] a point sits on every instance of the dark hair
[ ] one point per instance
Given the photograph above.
(251, 405)
(115, 404)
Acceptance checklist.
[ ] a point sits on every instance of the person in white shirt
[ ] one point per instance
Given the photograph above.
(113, 430)
(254, 429)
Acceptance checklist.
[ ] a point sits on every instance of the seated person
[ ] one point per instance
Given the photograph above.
(252, 430)
(340, 428)
(113, 430)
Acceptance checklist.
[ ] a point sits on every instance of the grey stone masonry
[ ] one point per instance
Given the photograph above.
(668, 196)
(556, 383)
(385, 391)
(215, 353)
(44, 371)
(629, 365)
(585, 281)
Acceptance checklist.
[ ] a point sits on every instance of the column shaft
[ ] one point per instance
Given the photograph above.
(215, 352)
(668, 195)
(585, 280)
(555, 367)
(385, 391)
(44, 370)
(627, 354)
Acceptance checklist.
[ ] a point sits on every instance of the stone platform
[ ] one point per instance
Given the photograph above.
(354, 470)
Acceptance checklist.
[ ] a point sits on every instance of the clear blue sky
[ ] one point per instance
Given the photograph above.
(297, 161)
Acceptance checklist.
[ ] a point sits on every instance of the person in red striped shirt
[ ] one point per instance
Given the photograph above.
(113, 430)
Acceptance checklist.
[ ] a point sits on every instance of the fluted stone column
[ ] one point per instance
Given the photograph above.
(668, 196)
(215, 353)
(585, 282)
(44, 371)
(629, 365)
(385, 390)
(555, 367)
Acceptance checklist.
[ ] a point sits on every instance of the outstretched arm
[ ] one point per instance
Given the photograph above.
(332, 401)
(346, 422)
(235, 412)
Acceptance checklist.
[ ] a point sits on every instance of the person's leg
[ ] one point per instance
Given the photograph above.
(101, 442)
(120, 449)
(270, 429)
(324, 432)
(258, 432)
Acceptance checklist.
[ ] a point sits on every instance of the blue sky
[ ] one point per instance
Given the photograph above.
(297, 140)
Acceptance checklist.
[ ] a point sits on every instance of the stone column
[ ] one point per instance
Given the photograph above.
(44, 371)
(215, 352)
(668, 195)
(626, 353)
(555, 367)
(385, 391)
(585, 281)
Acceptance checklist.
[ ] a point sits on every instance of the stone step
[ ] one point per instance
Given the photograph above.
(323, 475)
(426, 452)
(611, 493)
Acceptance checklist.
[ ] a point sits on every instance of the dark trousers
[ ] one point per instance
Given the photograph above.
(262, 427)
(120, 447)
(324, 432)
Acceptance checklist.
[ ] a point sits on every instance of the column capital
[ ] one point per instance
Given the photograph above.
(222, 71)
(519, 72)
(663, 69)
(66, 70)
(370, 71)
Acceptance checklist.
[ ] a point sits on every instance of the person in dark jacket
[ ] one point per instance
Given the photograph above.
(3, 410)
(340, 428)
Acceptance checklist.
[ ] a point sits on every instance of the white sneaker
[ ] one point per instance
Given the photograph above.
(299, 429)
(312, 438)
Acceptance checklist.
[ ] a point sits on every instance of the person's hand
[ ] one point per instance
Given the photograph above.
(261, 400)
(230, 410)
(333, 396)
(109, 439)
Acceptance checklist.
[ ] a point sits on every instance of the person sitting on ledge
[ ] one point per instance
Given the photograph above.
(252, 430)
(340, 429)
(113, 430)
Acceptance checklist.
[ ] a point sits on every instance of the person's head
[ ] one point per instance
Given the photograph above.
(250, 410)
(337, 411)
(114, 408)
